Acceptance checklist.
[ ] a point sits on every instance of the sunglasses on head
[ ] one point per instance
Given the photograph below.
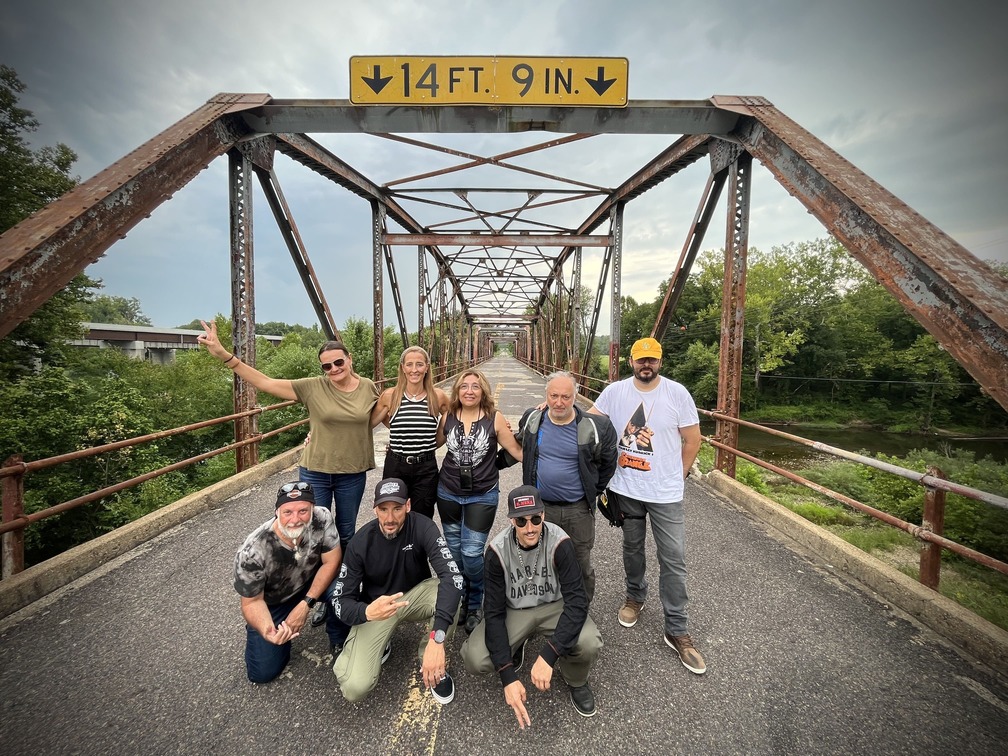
(300, 486)
(520, 521)
(327, 366)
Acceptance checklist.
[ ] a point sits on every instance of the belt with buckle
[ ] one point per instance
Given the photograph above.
(564, 503)
(412, 459)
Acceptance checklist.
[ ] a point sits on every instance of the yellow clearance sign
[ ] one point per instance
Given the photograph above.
(449, 80)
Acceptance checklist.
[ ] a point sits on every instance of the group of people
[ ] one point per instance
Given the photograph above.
(307, 565)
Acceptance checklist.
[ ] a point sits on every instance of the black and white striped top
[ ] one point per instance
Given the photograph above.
(413, 429)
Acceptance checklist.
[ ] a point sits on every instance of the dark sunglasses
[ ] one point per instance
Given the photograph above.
(327, 366)
(520, 521)
(300, 486)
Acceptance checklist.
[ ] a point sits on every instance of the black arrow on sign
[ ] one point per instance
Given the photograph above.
(601, 84)
(377, 82)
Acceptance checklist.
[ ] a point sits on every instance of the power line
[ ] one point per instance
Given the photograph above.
(865, 380)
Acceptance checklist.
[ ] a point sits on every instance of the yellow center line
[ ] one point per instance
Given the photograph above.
(418, 720)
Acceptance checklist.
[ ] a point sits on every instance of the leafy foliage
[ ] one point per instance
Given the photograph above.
(116, 310)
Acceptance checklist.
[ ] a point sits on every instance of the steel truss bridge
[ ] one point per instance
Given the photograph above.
(502, 262)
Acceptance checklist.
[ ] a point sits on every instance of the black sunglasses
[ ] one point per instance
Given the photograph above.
(300, 486)
(520, 521)
(327, 366)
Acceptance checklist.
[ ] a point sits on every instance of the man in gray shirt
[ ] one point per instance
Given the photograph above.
(534, 586)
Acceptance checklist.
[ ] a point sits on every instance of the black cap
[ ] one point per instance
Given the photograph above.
(391, 489)
(524, 501)
(296, 491)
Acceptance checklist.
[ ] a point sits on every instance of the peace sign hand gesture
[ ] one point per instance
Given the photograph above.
(210, 341)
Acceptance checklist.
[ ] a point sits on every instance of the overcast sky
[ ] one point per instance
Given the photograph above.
(911, 91)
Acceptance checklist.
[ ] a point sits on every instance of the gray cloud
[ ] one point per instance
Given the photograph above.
(909, 91)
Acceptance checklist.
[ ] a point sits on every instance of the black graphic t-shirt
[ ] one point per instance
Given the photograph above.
(478, 448)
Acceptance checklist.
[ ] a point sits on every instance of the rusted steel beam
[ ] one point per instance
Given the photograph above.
(638, 117)
(473, 160)
(40, 255)
(313, 155)
(12, 543)
(733, 307)
(934, 520)
(243, 303)
(396, 296)
(679, 155)
(378, 288)
(615, 301)
(695, 237)
(295, 245)
(960, 300)
(496, 240)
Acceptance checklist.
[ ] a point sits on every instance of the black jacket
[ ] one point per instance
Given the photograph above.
(597, 454)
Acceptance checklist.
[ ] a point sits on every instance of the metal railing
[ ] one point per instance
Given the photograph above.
(936, 486)
(15, 469)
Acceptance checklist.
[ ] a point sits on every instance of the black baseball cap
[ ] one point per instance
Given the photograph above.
(296, 491)
(524, 501)
(391, 489)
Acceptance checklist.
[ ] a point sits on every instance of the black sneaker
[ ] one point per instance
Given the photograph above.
(583, 700)
(444, 691)
(386, 653)
(335, 651)
(474, 618)
(518, 657)
(317, 617)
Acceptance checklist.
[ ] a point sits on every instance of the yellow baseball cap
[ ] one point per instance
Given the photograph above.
(645, 348)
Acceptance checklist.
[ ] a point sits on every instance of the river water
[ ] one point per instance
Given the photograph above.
(793, 456)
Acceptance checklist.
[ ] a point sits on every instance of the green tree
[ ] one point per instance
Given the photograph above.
(30, 179)
(116, 310)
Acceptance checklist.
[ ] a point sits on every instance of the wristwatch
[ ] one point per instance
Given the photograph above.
(310, 601)
(437, 636)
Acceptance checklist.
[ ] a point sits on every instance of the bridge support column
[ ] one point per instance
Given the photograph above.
(243, 302)
(616, 317)
(733, 309)
(378, 288)
(575, 361)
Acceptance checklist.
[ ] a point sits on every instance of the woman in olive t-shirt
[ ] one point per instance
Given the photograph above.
(341, 415)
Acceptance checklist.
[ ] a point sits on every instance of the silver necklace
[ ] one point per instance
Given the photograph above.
(416, 398)
(521, 561)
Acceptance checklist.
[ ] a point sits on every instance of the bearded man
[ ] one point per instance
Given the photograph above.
(386, 580)
(281, 571)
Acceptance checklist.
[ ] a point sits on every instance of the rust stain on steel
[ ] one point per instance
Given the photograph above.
(42, 253)
(960, 300)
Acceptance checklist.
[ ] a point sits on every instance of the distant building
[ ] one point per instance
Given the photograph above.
(155, 345)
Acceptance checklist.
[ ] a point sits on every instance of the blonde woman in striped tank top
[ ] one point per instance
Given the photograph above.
(412, 410)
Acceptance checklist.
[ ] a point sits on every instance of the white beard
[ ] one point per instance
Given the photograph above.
(294, 533)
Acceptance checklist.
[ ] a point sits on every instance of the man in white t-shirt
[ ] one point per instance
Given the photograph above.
(659, 431)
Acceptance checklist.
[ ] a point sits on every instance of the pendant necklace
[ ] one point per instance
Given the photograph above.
(521, 561)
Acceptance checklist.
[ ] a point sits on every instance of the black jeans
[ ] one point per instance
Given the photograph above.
(421, 481)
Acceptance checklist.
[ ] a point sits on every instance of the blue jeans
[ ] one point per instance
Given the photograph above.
(265, 660)
(668, 525)
(467, 521)
(347, 489)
